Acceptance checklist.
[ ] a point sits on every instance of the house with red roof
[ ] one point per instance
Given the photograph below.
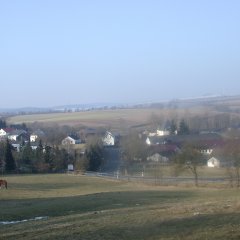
(4, 132)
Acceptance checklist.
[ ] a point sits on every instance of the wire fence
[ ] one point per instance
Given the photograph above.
(157, 179)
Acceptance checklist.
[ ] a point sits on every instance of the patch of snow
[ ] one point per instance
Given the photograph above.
(24, 220)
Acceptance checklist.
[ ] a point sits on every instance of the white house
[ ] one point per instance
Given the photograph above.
(213, 162)
(5, 132)
(108, 139)
(149, 141)
(207, 151)
(36, 135)
(152, 134)
(159, 133)
(2, 132)
(33, 137)
(157, 158)
(156, 140)
(18, 135)
(71, 140)
(163, 132)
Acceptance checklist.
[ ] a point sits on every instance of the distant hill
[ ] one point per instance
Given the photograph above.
(24, 110)
(232, 102)
(62, 108)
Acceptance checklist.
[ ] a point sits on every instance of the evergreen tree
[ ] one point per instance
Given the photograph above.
(3, 123)
(94, 157)
(38, 160)
(39, 152)
(183, 128)
(60, 159)
(10, 165)
(173, 127)
(27, 154)
(2, 149)
(48, 157)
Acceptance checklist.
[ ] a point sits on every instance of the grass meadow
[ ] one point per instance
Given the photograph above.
(96, 118)
(116, 119)
(82, 207)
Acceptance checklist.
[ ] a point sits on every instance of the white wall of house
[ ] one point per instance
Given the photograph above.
(152, 134)
(148, 142)
(159, 133)
(207, 151)
(70, 167)
(16, 146)
(2, 132)
(157, 158)
(13, 137)
(33, 137)
(213, 162)
(68, 140)
(163, 133)
(108, 139)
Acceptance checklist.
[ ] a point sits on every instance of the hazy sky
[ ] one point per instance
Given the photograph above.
(55, 52)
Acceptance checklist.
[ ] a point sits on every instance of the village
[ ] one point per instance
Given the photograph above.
(103, 150)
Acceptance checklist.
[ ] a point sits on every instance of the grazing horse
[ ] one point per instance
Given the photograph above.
(3, 183)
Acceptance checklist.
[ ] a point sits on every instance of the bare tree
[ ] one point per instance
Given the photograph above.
(157, 120)
(133, 149)
(189, 158)
(231, 153)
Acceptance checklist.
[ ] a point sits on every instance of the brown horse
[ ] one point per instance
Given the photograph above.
(3, 183)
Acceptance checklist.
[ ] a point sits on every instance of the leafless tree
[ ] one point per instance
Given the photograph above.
(133, 149)
(189, 158)
(231, 153)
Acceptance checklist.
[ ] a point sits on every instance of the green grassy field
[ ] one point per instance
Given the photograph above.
(81, 207)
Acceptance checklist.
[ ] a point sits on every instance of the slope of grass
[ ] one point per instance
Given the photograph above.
(89, 117)
(80, 207)
(117, 119)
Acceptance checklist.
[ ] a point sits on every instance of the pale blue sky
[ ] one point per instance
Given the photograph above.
(55, 52)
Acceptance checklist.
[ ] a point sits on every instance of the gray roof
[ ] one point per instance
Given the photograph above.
(18, 132)
(38, 133)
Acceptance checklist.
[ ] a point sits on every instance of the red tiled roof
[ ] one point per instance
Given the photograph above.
(8, 130)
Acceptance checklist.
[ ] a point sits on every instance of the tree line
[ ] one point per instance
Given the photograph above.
(195, 123)
(46, 159)
(26, 160)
